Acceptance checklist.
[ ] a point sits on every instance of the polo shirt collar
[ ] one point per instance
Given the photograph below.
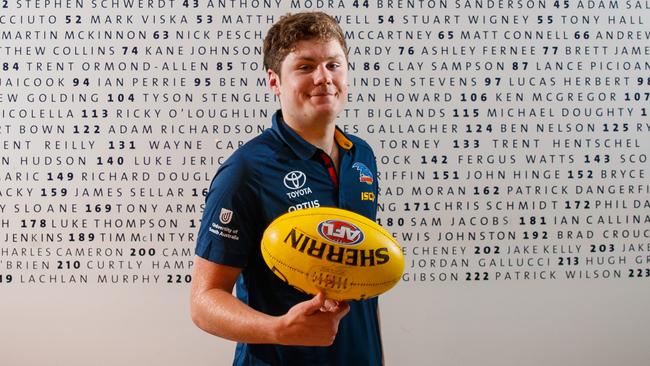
(303, 149)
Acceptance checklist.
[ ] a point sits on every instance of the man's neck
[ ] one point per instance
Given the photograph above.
(317, 133)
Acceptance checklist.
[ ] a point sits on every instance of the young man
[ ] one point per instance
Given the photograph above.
(302, 161)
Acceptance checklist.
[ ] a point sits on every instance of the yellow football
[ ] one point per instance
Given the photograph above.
(339, 252)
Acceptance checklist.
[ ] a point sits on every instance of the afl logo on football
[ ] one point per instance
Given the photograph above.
(340, 232)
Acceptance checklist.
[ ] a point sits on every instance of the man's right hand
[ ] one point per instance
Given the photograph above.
(313, 322)
(214, 309)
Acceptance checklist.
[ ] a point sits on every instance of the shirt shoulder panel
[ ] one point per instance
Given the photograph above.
(360, 143)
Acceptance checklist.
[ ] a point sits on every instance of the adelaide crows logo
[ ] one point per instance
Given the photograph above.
(365, 175)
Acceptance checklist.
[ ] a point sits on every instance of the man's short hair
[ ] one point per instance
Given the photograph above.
(283, 36)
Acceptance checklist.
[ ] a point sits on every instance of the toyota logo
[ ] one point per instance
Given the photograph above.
(295, 179)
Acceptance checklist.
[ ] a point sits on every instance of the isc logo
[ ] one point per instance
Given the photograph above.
(367, 196)
(340, 232)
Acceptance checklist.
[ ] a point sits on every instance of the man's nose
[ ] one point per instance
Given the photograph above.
(322, 75)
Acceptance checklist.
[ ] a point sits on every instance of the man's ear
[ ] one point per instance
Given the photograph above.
(274, 81)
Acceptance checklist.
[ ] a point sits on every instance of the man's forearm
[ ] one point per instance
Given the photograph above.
(219, 313)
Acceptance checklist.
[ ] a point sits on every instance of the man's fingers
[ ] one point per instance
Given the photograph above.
(315, 304)
(330, 305)
(342, 310)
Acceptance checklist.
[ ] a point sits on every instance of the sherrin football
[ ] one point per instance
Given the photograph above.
(339, 252)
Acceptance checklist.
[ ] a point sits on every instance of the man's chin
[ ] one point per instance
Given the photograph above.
(322, 113)
(330, 110)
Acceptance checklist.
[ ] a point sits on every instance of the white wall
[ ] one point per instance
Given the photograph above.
(509, 316)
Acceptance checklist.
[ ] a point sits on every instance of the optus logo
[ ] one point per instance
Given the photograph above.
(340, 232)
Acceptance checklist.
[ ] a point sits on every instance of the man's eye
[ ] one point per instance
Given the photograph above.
(334, 66)
(304, 67)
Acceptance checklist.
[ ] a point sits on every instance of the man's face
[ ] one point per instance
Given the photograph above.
(314, 83)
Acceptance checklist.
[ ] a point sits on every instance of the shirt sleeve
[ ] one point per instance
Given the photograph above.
(230, 227)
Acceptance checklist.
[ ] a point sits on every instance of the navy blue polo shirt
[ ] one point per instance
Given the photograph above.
(272, 174)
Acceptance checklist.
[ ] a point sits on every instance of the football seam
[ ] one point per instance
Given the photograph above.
(281, 262)
(369, 284)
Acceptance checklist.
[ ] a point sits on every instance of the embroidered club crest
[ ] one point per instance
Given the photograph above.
(365, 175)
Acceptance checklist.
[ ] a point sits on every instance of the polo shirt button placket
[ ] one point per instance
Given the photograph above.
(329, 165)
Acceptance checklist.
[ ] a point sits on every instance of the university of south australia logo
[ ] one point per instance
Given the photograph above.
(340, 232)
(225, 216)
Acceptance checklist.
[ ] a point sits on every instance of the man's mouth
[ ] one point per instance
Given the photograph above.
(323, 93)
